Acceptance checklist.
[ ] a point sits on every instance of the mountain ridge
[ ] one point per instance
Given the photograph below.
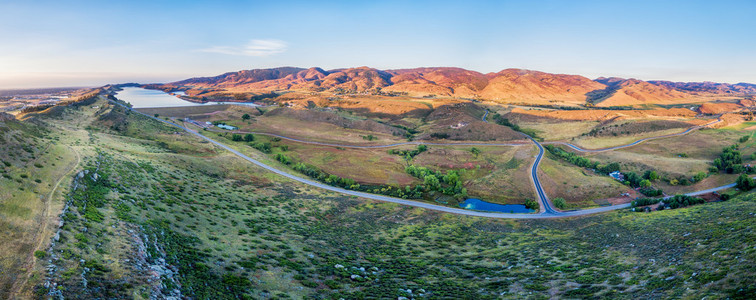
(508, 85)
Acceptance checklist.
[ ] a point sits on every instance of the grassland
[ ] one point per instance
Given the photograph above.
(579, 187)
(681, 157)
(37, 162)
(557, 131)
(159, 213)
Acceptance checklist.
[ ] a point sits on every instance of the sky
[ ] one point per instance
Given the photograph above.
(89, 43)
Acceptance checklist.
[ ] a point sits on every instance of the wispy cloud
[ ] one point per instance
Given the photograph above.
(253, 48)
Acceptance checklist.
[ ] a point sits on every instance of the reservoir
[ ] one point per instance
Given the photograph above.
(477, 204)
(146, 98)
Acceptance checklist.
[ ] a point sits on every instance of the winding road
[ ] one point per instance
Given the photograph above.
(638, 141)
(548, 211)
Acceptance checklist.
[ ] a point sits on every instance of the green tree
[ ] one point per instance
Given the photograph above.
(432, 182)
(560, 203)
(745, 183)
(645, 183)
(249, 137)
(246, 117)
(236, 137)
(699, 176)
(475, 151)
(532, 204)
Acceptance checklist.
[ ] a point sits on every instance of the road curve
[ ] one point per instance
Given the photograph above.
(636, 142)
(435, 207)
(541, 197)
(547, 214)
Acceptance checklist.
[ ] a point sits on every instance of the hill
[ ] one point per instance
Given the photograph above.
(623, 92)
(708, 87)
(506, 86)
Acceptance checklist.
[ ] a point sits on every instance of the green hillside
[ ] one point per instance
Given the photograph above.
(151, 211)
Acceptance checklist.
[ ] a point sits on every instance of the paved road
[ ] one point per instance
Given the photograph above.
(548, 213)
(638, 141)
(543, 200)
(350, 192)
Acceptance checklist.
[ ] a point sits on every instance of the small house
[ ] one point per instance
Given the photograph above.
(226, 127)
(617, 176)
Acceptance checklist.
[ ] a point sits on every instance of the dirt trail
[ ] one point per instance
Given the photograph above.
(43, 232)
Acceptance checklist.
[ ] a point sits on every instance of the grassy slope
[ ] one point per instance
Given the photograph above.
(700, 149)
(227, 228)
(33, 164)
(577, 186)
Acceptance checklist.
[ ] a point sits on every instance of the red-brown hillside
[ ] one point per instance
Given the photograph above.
(507, 86)
(515, 85)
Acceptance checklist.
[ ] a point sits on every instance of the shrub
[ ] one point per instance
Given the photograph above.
(644, 202)
(40, 254)
(730, 160)
(699, 176)
(283, 159)
(532, 204)
(678, 201)
(249, 137)
(262, 147)
(745, 183)
(560, 203)
(651, 192)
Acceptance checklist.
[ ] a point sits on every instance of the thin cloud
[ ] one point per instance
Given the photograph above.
(253, 48)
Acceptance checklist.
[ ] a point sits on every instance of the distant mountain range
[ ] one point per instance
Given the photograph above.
(510, 85)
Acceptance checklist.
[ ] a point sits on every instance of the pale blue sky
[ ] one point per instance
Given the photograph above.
(60, 43)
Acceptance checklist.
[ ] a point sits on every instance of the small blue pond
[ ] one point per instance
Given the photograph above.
(477, 204)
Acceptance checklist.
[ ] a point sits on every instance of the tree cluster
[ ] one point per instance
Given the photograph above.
(448, 184)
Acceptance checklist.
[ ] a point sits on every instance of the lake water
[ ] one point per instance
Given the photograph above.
(144, 98)
(477, 204)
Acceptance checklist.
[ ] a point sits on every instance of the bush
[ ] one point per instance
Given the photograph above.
(283, 159)
(409, 154)
(678, 201)
(745, 183)
(236, 138)
(245, 117)
(651, 192)
(249, 137)
(263, 147)
(730, 160)
(40, 254)
(560, 203)
(532, 204)
(644, 202)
